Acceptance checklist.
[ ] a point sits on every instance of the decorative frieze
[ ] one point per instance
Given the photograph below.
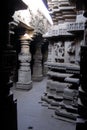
(76, 26)
(56, 31)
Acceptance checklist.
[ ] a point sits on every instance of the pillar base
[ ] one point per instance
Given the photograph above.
(24, 86)
(37, 78)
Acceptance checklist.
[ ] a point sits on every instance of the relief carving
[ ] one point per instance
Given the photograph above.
(71, 52)
(71, 49)
(24, 58)
(59, 51)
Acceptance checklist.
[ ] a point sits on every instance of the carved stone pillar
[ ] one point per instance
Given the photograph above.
(24, 73)
(37, 66)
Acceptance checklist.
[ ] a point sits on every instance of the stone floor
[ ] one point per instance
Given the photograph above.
(31, 115)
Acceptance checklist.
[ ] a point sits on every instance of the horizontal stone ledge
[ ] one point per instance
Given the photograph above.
(24, 86)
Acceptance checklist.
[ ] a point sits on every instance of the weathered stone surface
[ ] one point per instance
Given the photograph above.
(24, 72)
(66, 114)
(72, 80)
(24, 86)
(37, 66)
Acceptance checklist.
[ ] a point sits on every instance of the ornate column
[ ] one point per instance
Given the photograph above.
(37, 66)
(24, 73)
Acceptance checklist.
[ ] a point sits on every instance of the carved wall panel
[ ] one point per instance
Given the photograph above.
(59, 51)
(78, 51)
(70, 52)
(50, 53)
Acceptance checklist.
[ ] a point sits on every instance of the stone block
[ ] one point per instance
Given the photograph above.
(24, 86)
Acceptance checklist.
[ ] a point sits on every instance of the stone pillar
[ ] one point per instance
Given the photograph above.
(37, 66)
(44, 65)
(82, 99)
(24, 73)
(44, 57)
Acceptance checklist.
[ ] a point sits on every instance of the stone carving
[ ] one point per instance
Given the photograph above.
(24, 58)
(50, 53)
(59, 51)
(71, 52)
(78, 53)
(62, 90)
(75, 26)
(71, 48)
(39, 22)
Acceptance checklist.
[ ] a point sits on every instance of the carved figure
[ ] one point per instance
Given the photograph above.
(71, 49)
(59, 50)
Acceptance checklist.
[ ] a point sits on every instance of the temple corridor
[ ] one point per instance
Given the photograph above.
(32, 115)
(43, 65)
